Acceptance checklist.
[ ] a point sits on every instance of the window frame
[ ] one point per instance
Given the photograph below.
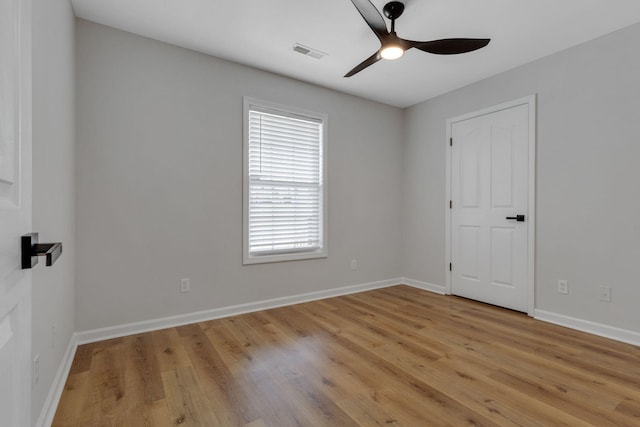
(290, 255)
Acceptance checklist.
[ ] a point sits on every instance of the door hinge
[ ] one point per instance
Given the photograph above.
(450, 204)
(450, 142)
(450, 267)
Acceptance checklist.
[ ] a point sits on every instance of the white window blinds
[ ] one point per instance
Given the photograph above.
(285, 182)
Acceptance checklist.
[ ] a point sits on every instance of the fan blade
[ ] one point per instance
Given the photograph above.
(364, 64)
(372, 17)
(450, 46)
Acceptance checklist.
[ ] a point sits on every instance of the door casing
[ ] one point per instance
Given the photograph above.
(530, 101)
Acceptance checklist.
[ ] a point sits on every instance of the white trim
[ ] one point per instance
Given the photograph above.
(447, 216)
(247, 258)
(530, 101)
(55, 392)
(437, 289)
(50, 406)
(100, 334)
(531, 238)
(600, 329)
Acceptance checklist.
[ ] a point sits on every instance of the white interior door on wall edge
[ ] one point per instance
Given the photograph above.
(490, 206)
(15, 212)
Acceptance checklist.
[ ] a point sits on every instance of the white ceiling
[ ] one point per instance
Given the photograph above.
(261, 33)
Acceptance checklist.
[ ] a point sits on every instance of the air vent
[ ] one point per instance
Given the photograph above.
(305, 50)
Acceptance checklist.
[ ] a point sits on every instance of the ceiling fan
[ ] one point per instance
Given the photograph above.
(393, 47)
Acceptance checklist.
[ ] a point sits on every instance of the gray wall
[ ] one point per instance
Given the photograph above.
(53, 185)
(588, 196)
(159, 182)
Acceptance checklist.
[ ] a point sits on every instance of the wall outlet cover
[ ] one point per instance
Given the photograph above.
(605, 293)
(563, 287)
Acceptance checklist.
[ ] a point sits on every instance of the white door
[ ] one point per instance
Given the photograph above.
(489, 191)
(15, 212)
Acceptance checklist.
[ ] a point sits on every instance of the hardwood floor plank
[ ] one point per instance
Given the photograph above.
(261, 355)
(559, 347)
(434, 400)
(186, 401)
(396, 356)
(474, 389)
(75, 392)
(375, 311)
(217, 381)
(524, 353)
(168, 350)
(338, 372)
(366, 412)
(251, 360)
(106, 387)
(142, 353)
(560, 400)
(319, 408)
(325, 318)
(630, 408)
(153, 414)
(82, 359)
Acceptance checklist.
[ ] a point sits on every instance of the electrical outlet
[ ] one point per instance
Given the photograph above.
(185, 285)
(36, 369)
(53, 335)
(563, 287)
(354, 265)
(605, 293)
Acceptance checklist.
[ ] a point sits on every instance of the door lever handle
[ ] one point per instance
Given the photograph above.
(31, 250)
(519, 218)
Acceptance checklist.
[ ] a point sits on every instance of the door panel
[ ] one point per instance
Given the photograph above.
(469, 171)
(15, 212)
(489, 182)
(469, 253)
(502, 168)
(501, 256)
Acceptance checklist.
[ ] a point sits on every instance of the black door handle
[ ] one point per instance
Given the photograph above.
(31, 250)
(519, 218)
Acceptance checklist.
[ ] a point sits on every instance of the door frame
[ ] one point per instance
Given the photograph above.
(530, 101)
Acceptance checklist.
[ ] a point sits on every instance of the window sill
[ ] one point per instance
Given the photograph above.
(263, 259)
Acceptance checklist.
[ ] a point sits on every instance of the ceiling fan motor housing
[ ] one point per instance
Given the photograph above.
(393, 9)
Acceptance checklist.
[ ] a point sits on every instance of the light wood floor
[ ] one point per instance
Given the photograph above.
(391, 357)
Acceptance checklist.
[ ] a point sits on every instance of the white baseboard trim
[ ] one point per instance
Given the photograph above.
(606, 331)
(57, 387)
(55, 392)
(438, 289)
(94, 335)
(84, 337)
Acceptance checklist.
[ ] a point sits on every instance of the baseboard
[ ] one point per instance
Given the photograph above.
(438, 289)
(599, 329)
(606, 331)
(53, 398)
(94, 335)
(57, 387)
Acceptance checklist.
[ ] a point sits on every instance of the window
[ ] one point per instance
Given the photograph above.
(284, 183)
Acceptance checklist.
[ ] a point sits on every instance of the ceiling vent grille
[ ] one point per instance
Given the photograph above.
(308, 51)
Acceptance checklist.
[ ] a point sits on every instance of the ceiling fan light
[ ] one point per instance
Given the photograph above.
(391, 51)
